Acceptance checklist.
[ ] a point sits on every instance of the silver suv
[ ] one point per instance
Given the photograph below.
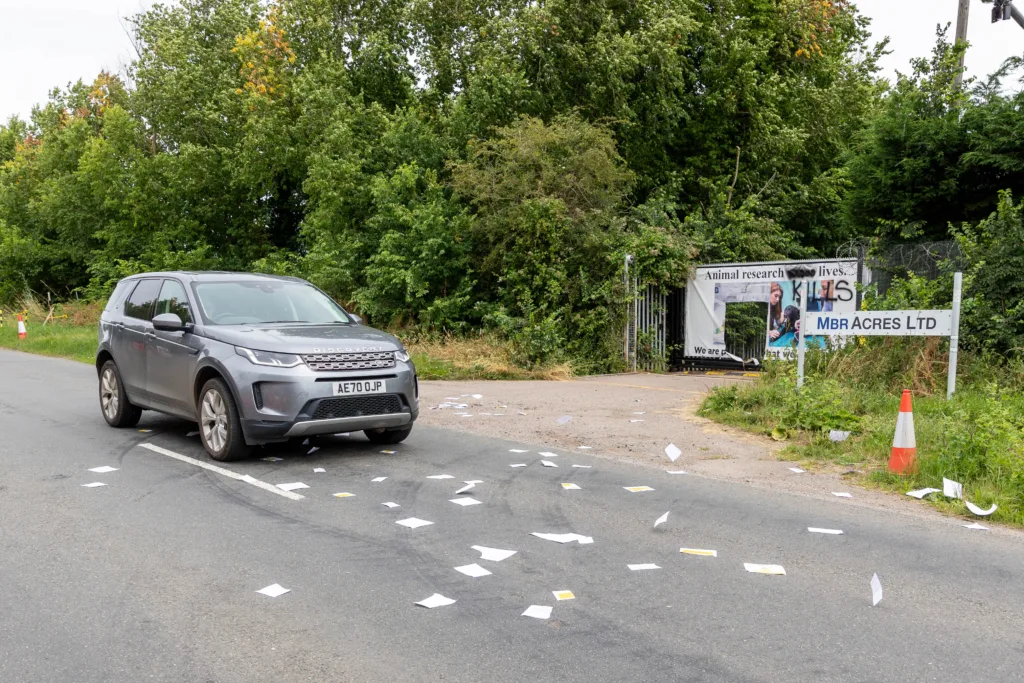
(254, 359)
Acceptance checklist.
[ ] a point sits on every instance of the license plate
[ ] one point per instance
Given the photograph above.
(365, 386)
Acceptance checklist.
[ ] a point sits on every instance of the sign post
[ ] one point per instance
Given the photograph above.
(954, 336)
(804, 274)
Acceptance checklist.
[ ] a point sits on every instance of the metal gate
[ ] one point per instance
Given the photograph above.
(644, 343)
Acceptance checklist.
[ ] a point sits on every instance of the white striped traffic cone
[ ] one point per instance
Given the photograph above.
(22, 332)
(904, 445)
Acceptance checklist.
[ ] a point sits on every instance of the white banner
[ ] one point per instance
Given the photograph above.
(882, 323)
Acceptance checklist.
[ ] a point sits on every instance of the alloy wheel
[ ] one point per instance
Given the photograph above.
(109, 395)
(214, 420)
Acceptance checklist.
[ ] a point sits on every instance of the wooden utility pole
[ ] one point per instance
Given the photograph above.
(961, 34)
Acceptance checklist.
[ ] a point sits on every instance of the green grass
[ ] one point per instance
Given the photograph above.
(77, 342)
(977, 438)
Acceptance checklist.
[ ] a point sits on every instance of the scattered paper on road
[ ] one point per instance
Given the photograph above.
(192, 434)
(571, 487)
(476, 396)
(797, 470)
(516, 450)
(538, 612)
(391, 505)
(436, 600)
(548, 454)
(548, 463)
(636, 421)
(661, 520)
(842, 494)
(274, 590)
(413, 523)
(952, 489)
(563, 595)
(312, 450)
(836, 436)
(637, 489)
(473, 570)
(817, 530)
(389, 452)
(673, 452)
(272, 459)
(518, 464)
(293, 486)
(145, 431)
(104, 469)
(377, 480)
(641, 567)
(564, 420)
(676, 471)
(319, 470)
(773, 569)
(978, 511)
(493, 554)
(94, 484)
(699, 551)
(469, 485)
(876, 590)
(564, 538)
(976, 526)
(921, 493)
(584, 467)
(344, 494)
(584, 448)
(640, 412)
(465, 501)
(440, 476)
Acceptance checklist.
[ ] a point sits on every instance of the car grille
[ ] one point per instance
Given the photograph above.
(356, 406)
(365, 360)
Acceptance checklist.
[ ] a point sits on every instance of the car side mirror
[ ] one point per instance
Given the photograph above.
(356, 318)
(170, 322)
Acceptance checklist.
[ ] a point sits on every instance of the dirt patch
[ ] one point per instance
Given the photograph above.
(602, 409)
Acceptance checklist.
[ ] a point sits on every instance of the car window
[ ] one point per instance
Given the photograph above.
(266, 301)
(140, 303)
(173, 300)
(117, 295)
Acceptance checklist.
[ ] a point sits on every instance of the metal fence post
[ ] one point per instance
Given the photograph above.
(801, 348)
(954, 335)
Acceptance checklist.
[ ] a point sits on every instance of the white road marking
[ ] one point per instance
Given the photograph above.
(220, 470)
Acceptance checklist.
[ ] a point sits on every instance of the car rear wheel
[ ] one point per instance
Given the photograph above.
(219, 426)
(387, 435)
(114, 404)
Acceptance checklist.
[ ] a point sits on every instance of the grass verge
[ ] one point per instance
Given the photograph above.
(77, 342)
(977, 438)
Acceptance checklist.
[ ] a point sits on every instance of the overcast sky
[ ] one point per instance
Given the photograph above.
(48, 43)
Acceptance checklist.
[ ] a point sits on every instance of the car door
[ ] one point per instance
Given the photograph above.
(129, 342)
(170, 356)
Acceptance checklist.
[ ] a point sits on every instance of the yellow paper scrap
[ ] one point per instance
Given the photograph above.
(699, 551)
(344, 495)
(563, 595)
(637, 489)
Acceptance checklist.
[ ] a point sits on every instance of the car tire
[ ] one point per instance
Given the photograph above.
(117, 410)
(387, 435)
(219, 426)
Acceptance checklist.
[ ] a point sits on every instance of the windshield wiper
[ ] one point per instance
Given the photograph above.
(271, 322)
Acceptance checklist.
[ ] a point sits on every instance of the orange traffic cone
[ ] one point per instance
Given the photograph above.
(904, 445)
(22, 332)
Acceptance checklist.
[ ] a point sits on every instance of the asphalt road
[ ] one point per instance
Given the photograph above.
(154, 576)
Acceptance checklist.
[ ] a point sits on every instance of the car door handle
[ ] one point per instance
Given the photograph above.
(192, 351)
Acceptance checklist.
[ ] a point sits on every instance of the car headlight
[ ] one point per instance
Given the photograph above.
(275, 360)
(402, 355)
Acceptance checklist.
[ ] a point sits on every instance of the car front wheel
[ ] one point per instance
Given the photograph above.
(117, 410)
(219, 426)
(387, 435)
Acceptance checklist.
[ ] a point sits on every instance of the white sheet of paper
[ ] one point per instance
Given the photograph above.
(464, 501)
(636, 420)
(637, 489)
(952, 489)
(978, 511)
(676, 471)
(389, 452)
(564, 538)
(818, 530)
(563, 595)
(842, 494)
(518, 464)
(537, 612)
(413, 523)
(312, 450)
(548, 463)
(570, 487)
(921, 493)
(293, 486)
(516, 450)
(564, 420)
(773, 569)
(465, 415)
(465, 488)
(547, 454)
(673, 452)
(94, 484)
(477, 396)
(836, 435)
(493, 554)
(319, 470)
(639, 412)
(473, 570)
(104, 469)
(876, 590)
(192, 434)
(583, 467)
(274, 590)
(436, 600)
(377, 480)
(661, 520)
(699, 551)
(440, 476)
(975, 526)
(584, 448)
(797, 470)
(640, 567)
(391, 505)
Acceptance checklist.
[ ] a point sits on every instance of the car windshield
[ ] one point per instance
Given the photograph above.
(265, 302)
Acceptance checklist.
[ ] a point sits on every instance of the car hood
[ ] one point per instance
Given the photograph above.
(302, 339)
